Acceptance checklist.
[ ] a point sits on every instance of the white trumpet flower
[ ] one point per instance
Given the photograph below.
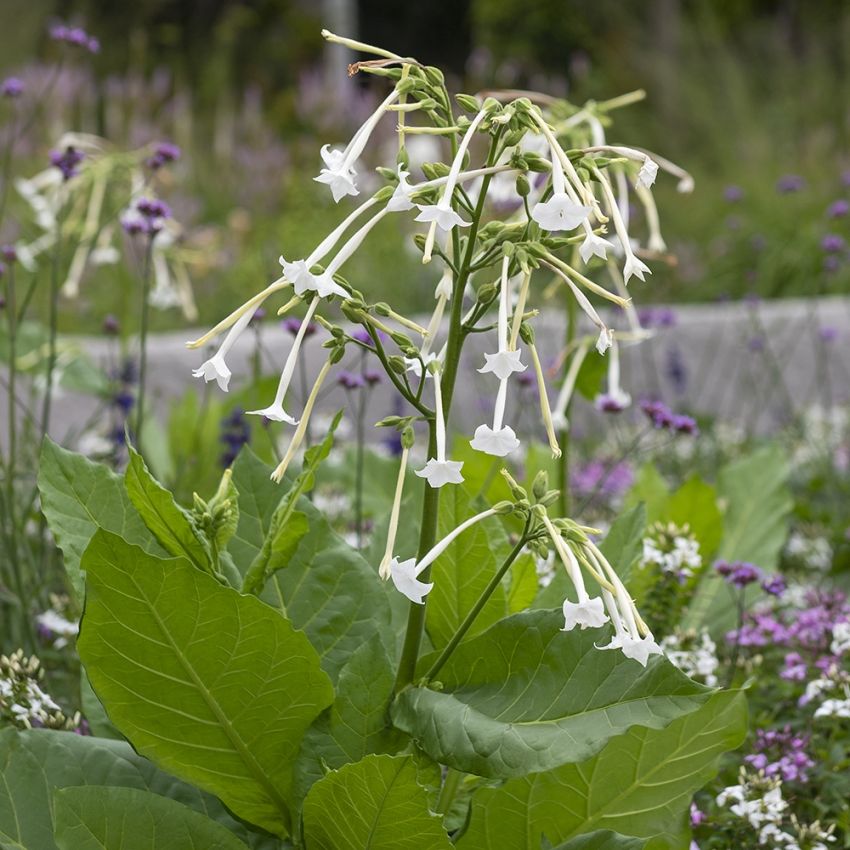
(439, 471)
(615, 399)
(562, 211)
(215, 369)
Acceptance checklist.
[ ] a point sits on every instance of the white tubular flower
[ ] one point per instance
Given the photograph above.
(405, 574)
(593, 245)
(82, 255)
(646, 175)
(559, 413)
(633, 266)
(400, 200)
(414, 364)
(587, 613)
(545, 409)
(439, 471)
(500, 440)
(215, 369)
(275, 410)
(384, 570)
(562, 211)
(339, 172)
(655, 242)
(298, 436)
(615, 399)
(505, 362)
(441, 214)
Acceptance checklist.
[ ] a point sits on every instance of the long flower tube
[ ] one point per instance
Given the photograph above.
(440, 471)
(301, 430)
(405, 574)
(559, 412)
(615, 399)
(442, 214)
(392, 530)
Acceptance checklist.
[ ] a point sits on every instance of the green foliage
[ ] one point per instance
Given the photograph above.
(105, 818)
(525, 696)
(602, 839)
(375, 804)
(34, 764)
(640, 784)
(623, 543)
(462, 572)
(211, 684)
(758, 504)
(78, 497)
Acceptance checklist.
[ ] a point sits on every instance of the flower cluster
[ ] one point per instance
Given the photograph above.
(235, 433)
(145, 216)
(56, 626)
(75, 36)
(662, 418)
(782, 753)
(164, 153)
(672, 549)
(23, 703)
(694, 654)
(67, 161)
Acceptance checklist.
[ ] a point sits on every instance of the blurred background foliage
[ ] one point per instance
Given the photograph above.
(745, 93)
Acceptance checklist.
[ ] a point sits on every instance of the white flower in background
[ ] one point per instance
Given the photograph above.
(405, 574)
(673, 549)
(63, 628)
(439, 471)
(616, 398)
(697, 659)
(562, 212)
(840, 639)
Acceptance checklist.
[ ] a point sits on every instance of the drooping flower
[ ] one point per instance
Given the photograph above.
(646, 175)
(215, 369)
(615, 399)
(562, 212)
(439, 471)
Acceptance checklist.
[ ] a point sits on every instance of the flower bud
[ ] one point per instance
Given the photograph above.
(408, 437)
(434, 75)
(486, 292)
(397, 364)
(527, 333)
(549, 498)
(401, 340)
(523, 187)
(491, 105)
(382, 308)
(407, 85)
(540, 485)
(337, 354)
(516, 491)
(502, 508)
(389, 422)
(434, 170)
(468, 103)
(384, 194)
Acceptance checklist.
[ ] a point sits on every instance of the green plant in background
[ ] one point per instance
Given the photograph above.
(275, 691)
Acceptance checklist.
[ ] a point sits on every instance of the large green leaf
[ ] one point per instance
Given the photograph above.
(640, 784)
(651, 489)
(755, 527)
(35, 763)
(104, 818)
(462, 572)
(79, 496)
(374, 804)
(602, 839)
(169, 523)
(327, 589)
(624, 542)
(695, 504)
(525, 696)
(356, 724)
(210, 684)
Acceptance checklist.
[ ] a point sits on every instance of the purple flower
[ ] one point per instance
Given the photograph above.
(838, 209)
(372, 377)
(12, 87)
(832, 243)
(657, 317)
(258, 315)
(164, 153)
(795, 669)
(733, 194)
(293, 324)
(350, 380)
(658, 413)
(75, 36)
(789, 183)
(782, 753)
(775, 585)
(739, 573)
(123, 400)
(682, 424)
(67, 161)
(697, 816)
(607, 403)
(110, 325)
(146, 215)
(597, 477)
(9, 253)
(235, 433)
(828, 333)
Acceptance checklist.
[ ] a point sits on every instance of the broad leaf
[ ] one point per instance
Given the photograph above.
(375, 804)
(210, 684)
(640, 784)
(695, 504)
(462, 572)
(624, 542)
(104, 818)
(167, 521)
(35, 763)
(651, 489)
(524, 583)
(755, 527)
(602, 839)
(525, 696)
(79, 496)
(356, 724)
(259, 497)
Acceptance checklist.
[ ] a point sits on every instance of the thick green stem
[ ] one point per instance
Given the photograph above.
(143, 342)
(465, 626)
(449, 790)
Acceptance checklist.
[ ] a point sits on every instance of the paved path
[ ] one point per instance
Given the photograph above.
(748, 364)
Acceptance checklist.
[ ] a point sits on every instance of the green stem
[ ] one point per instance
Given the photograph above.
(416, 614)
(53, 322)
(564, 436)
(449, 790)
(143, 342)
(465, 626)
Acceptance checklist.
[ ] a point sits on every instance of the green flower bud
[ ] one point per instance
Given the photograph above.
(389, 422)
(387, 174)
(549, 498)
(527, 333)
(434, 76)
(384, 194)
(523, 187)
(467, 102)
(397, 364)
(407, 85)
(502, 508)
(408, 437)
(382, 308)
(486, 292)
(337, 354)
(401, 340)
(540, 485)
